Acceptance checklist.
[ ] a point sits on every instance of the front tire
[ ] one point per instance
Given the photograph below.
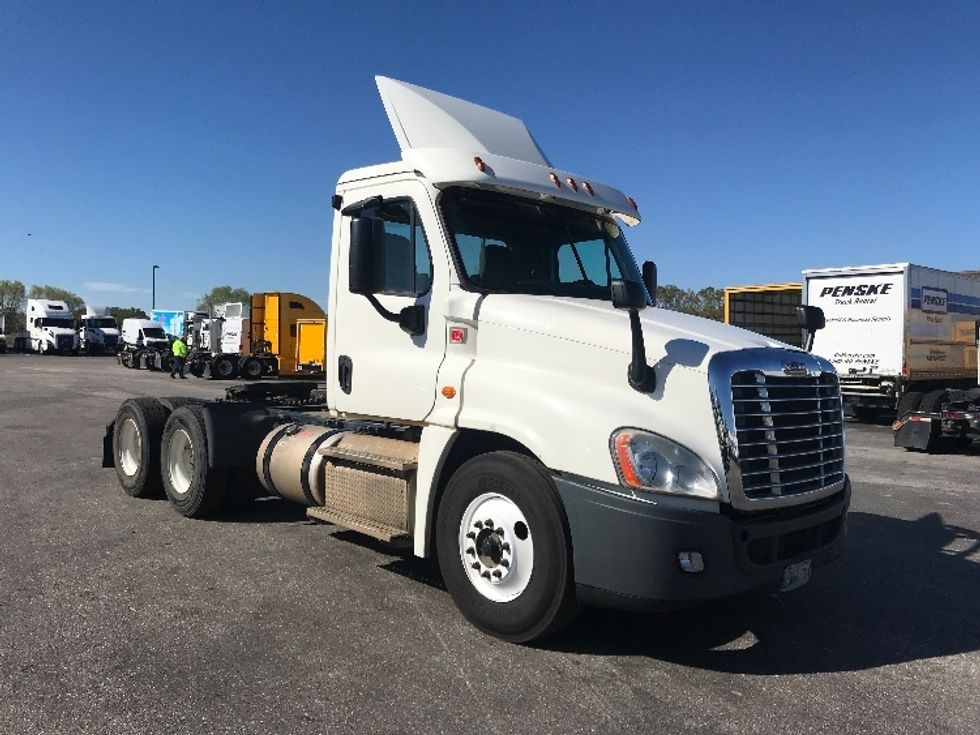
(503, 546)
(195, 489)
(136, 446)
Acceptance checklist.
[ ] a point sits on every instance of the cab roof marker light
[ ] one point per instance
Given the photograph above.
(588, 187)
(632, 202)
(554, 179)
(480, 165)
(572, 184)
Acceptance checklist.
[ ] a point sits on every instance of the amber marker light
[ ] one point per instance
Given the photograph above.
(625, 463)
(572, 184)
(632, 202)
(448, 391)
(588, 187)
(554, 179)
(478, 162)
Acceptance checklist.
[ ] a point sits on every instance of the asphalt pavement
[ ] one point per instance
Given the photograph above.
(119, 616)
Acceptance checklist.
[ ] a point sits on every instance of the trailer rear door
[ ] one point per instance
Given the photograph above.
(865, 311)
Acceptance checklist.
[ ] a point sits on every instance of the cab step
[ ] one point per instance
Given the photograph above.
(388, 534)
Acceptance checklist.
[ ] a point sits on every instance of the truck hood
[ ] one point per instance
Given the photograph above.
(669, 336)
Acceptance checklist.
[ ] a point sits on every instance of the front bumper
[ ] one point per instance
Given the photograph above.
(625, 550)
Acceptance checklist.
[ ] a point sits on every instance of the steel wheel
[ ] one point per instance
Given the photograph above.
(496, 547)
(180, 461)
(130, 449)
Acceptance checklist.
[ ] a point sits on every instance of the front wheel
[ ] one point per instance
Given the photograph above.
(503, 546)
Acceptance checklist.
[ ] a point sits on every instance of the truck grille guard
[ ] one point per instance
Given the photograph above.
(780, 427)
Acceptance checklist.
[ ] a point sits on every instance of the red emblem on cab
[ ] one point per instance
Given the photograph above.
(457, 335)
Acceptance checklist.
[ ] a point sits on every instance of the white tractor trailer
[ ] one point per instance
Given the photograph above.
(503, 394)
(901, 336)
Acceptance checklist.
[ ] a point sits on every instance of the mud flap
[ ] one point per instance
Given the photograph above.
(920, 431)
(235, 432)
(108, 456)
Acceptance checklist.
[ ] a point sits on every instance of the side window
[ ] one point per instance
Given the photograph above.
(406, 266)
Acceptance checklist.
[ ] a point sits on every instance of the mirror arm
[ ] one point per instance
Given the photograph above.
(410, 319)
(641, 376)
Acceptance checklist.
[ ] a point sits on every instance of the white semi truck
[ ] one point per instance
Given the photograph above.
(98, 332)
(145, 345)
(51, 327)
(502, 394)
(901, 336)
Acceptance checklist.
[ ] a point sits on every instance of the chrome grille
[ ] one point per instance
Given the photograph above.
(789, 432)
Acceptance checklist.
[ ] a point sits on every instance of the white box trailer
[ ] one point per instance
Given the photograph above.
(896, 329)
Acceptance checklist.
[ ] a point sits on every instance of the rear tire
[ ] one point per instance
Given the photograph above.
(224, 367)
(933, 401)
(250, 368)
(909, 402)
(195, 489)
(521, 586)
(136, 446)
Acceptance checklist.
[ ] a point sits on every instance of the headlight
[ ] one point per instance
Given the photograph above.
(649, 462)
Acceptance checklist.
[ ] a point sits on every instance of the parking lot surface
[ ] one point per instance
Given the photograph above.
(119, 616)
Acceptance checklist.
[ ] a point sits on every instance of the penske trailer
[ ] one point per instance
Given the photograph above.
(502, 393)
(898, 334)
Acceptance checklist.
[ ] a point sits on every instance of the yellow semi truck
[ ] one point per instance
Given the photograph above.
(282, 333)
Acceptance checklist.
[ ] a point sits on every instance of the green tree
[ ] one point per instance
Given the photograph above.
(12, 297)
(73, 300)
(222, 295)
(709, 302)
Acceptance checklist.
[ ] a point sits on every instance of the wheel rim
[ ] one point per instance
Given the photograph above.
(180, 461)
(130, 447)
(224, 368)
(496, 547)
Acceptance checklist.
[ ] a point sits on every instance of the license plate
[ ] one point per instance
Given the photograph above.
(796, 575)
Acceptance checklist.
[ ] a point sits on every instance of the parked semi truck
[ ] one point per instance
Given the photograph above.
(145, 345)
(98, 332)
(51, 327)
(276, 333)
(900, 335)
(768, 309)
(504, 395)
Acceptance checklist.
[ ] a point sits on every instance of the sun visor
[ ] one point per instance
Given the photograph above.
(422, 118)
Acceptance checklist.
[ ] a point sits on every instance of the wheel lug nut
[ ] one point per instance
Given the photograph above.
(505, 546)
(504, 563)
(475, 565)
(471, 535)
(488, 523)
(499, 531)
(478, 524)
(497, 573)
(485, 575)
(471, 551)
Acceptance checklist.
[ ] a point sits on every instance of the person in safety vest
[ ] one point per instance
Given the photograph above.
(180, 358)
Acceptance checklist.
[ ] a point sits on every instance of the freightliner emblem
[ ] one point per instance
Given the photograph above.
(794, 368)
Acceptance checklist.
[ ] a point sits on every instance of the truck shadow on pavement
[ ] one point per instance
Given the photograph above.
(903, 591)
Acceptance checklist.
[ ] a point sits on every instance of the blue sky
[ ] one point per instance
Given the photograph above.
(758, 138)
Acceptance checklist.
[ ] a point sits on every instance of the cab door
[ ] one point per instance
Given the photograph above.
(374, 367)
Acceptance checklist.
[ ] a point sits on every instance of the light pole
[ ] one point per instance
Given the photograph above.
(153, 302)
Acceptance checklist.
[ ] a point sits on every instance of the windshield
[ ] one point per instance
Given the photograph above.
(508, 244)
(107, 322)
(154, 332)
(52, 322)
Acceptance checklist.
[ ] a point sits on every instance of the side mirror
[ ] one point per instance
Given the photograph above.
(811, 320)
(366, 236)
(650, 280)
(628, 294)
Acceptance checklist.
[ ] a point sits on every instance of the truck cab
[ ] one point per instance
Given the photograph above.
(503, 393)
(144, 333)
(98, 332)
(50, 327)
